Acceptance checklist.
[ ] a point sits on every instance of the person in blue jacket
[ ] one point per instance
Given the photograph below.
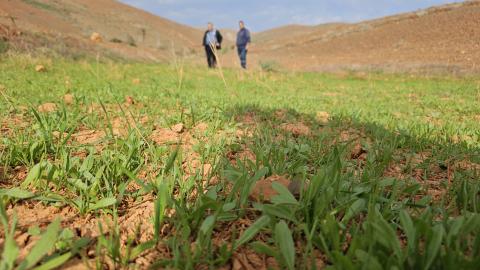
(243, 42)
(212, 41)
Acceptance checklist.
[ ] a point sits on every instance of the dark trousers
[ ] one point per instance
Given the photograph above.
(211, 58)
(242, 54)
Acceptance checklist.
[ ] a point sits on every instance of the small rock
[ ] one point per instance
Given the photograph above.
(323, 117)
(357, 151)
(96, 37)
(297, 129)
(40, 68)
(47, 107)
(68, 99)
(129, 100)
(263, 190)
(136, 81)
(178, 128)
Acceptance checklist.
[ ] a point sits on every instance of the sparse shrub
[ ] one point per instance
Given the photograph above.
(3, 46)
(131, 41)
(116, 40)
(269, 66)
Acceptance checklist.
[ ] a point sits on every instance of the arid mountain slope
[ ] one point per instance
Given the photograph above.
(126, 31)
(439, 39)
(445, 38)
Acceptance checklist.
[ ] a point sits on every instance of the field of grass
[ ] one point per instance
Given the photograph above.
(116, 166)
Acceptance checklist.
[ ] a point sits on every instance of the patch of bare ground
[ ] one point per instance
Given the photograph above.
(13, 121)
(430, 176)
(296, 129)
(201, 128)
(122, 125)
(244, 154)
(249, 118)
(134, 220)
(47, 108)
(162, 136)
(248, 259)
(281, 114)
(89, 136)
(9, 177)
(467, 165)
(69, 99)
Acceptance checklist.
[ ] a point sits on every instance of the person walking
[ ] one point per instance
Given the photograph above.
(212, 41)
(243, 42)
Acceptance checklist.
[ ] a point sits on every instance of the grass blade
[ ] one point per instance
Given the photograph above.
(284, 241)
(43, 246)
(252, 231)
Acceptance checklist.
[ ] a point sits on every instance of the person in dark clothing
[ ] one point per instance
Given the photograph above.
(212, 41)
(243, 42)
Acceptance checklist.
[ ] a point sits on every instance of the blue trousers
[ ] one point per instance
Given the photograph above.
(242, 53)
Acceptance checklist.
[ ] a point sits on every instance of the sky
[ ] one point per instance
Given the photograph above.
(261, 15)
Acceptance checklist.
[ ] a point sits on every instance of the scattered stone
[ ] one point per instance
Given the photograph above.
(68, 99)
(96, 37)
(263, 190)
(358, 151)
(40, 68)
(129, 100)
(136, 81)
(47, 107)
(323, 117)
(297, 129)
(178, 128)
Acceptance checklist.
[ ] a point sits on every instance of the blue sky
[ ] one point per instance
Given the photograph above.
(264, 14)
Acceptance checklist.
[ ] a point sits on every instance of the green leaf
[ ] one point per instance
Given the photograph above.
(249, 233)
(171, 159)
(55, 262)
(17, 193)
(368, 260)
(141, 248)
(263, 248)
(10, 248)
(103, 203)
(409, 229)
(284, 195)
(229, 206)
(33, 175)
(160, 206)
(43, 246)
(354, 209)
(281, 211)
(284, 241)
(208, 224)
(433, 245)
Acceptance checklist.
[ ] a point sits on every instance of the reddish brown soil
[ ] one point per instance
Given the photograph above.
(444, 38)
(73, 22)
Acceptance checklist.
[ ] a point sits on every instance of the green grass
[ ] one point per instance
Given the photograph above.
(411, 201)
(40, 5)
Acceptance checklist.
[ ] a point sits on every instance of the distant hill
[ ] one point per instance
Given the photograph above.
(126, 32)
(439, 39)
(443, 38)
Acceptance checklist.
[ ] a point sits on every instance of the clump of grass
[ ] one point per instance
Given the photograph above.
(382, 182)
